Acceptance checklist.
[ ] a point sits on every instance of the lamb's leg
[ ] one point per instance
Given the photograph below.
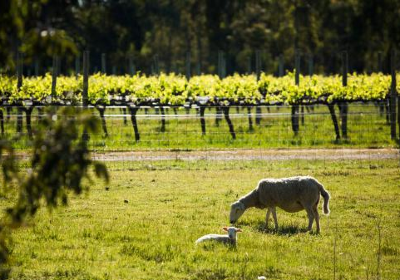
(316, 215)
(267, 218)
(275, 218)
(310, 217)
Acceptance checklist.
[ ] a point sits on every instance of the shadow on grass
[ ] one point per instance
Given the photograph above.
(283, 230)
(212, 245)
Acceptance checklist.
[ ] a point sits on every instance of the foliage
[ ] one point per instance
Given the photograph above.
(205, 89)
(59, 163)
(168, 29)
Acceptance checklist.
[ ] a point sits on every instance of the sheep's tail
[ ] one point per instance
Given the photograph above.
(325, 194)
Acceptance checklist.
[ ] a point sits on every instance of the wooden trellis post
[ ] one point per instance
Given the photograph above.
(85, 98)
(295, 107)
(344, 106)
(1, 121)
(20, 69)
(103, 63)
(132, 68)
(281, 70)
(86, 63)
(77, 66)
(225, 108)
(36, 67)
(258, 64)
(380, 62)
(220, 64)
(156, 67)
(54, 75)
(258, 75)
(249, 65)
(188, 65)
(310, 64)
(393, 95)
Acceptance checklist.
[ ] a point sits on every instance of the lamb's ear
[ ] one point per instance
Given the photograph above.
(225, 228)
(239, 230)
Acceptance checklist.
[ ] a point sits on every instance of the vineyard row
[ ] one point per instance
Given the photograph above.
(202, 91)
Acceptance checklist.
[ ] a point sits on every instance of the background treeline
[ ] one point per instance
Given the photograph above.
(158, 34)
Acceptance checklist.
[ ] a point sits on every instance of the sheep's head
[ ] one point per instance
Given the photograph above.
(237, 210)
(232, 232)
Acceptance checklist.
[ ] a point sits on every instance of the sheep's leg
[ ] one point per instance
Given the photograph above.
(310, 217)
(316, 215)
(275, 218)
(267, 218)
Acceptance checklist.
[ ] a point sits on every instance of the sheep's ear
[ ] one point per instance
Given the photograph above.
(225, 228)
(239, 230)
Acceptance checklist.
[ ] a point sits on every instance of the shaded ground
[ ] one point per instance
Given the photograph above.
(270, 154)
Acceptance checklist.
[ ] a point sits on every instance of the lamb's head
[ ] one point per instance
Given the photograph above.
(232, 232)
(237, 210)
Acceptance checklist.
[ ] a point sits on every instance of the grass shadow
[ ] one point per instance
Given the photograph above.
(212, 245)
(283, 230)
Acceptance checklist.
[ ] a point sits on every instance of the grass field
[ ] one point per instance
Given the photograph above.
(366, 128)
(145, 225)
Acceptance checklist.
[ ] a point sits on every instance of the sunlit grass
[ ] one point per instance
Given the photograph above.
(144, 226)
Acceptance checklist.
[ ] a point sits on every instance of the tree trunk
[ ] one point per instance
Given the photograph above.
(202, 120)
(40, 114)
(2, 122)
(162, 119)
(228, 120)
(124, 113)
(258, 115)
(8, 114)
(103, 120)
(295, 119)
(20, 114)
(343, 110)
(331, 108)
(250, 118)
(28, 118)
(133, 111)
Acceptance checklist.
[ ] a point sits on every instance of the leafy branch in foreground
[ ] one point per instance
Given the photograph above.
(59, 163)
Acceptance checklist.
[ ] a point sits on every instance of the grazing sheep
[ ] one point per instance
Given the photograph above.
(229, 238)
(291, 194)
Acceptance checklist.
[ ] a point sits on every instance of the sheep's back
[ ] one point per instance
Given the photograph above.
(288, 191)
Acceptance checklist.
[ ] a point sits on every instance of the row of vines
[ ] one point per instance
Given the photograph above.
(205, 89)
(202, 91)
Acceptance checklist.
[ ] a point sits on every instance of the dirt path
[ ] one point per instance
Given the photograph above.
(270, 154)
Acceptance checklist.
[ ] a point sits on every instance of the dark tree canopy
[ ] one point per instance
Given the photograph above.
(169, 29)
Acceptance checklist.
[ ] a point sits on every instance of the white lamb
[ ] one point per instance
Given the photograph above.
(229, 238)
(291, 194)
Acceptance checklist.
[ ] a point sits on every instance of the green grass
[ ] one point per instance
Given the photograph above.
(172, 203)
(366, 128)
